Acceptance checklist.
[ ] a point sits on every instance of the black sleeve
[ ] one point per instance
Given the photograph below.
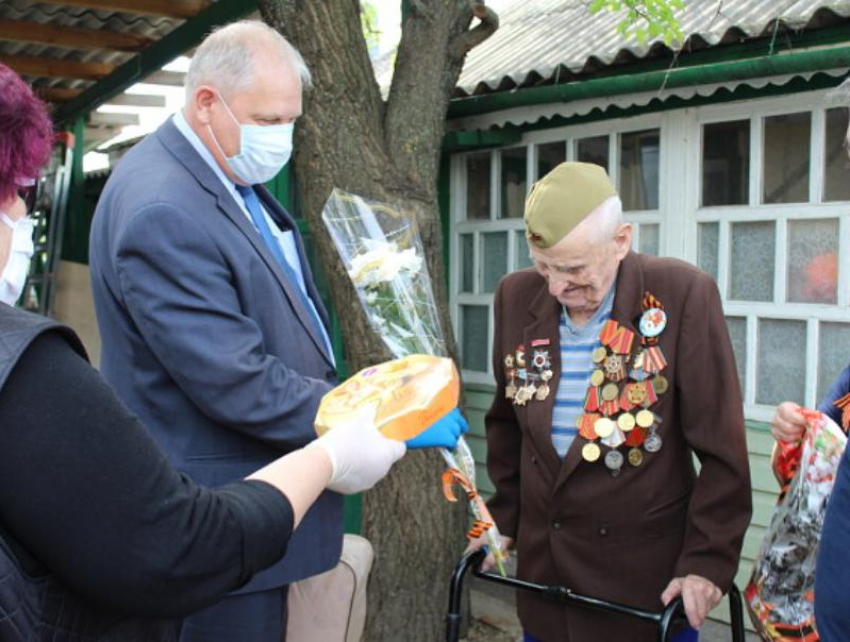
(89, 494)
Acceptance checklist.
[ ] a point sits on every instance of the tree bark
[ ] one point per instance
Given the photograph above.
(350, 138)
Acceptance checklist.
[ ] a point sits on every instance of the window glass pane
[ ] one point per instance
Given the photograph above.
(639, 157)
(523, 260)
(478, 186)
(726, 163)
(549, 156)
(709, 244)
(494, 247)
(649, 239)
(513, 187)
(786, 158)
(836, 163)
(813, 261)
(833, 354)
(473, 323)
(593, 150)
(467, 262)
(752, 261)
(781, 370)
(738, 335)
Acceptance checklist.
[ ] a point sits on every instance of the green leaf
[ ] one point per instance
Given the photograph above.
(596, 6)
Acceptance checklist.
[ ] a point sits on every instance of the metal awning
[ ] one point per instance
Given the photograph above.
(79, 54)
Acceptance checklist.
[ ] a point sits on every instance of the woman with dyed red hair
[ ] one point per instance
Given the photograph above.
(25, 142)
(100, 537)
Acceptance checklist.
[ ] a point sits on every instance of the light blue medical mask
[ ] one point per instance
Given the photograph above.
(263, 150)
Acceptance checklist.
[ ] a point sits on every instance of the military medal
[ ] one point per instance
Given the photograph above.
(614, 461)
(520, 356)
(510, 373)
(590, 452)
(586, 425)
(652, 322)
(636, 394)
(626, 421)
(592, 400)
(543, 391)
(652, 443)
(610, 392)
(623, 388)
(604, 427)
(645, 418)
(636, 436)
(617, 337)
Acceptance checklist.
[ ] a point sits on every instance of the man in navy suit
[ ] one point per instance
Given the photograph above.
(212, 328)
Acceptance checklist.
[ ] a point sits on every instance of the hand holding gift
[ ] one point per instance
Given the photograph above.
(360, 455)
(780, 594)
(443, 433)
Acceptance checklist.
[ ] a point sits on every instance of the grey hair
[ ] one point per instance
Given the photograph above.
(841, 94)
(604, 221)
(225, 58)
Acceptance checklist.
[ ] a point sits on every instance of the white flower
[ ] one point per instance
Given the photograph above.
(378, 323)
(383, 264)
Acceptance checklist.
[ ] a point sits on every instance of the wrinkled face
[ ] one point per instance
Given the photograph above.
(580, 272)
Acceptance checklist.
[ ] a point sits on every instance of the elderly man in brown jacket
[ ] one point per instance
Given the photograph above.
(613, 368)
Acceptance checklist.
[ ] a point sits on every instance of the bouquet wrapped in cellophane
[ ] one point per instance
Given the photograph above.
(780, 594)
(382, 252)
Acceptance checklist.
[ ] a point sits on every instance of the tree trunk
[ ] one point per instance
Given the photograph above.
(350, 138)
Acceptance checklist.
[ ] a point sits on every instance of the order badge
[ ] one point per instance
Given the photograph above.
(652, 322)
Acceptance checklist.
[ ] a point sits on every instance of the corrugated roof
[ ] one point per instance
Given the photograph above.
(149, 28)
(553, 40)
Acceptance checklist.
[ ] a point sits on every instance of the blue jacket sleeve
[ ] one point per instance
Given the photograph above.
(179, 290)
(839, 388)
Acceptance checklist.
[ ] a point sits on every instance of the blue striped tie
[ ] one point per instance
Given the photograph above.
(255, 210)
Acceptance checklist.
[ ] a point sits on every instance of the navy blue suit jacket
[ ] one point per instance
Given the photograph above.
(204, 338)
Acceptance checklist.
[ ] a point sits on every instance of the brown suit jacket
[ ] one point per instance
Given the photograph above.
(622, 538)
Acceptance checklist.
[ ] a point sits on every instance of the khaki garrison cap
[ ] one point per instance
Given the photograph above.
(562, 199)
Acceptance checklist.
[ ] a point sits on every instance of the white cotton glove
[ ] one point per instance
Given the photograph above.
(360, 455)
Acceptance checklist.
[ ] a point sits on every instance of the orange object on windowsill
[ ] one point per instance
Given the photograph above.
(402, 397)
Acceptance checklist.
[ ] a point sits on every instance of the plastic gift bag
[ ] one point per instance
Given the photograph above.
(780, 594)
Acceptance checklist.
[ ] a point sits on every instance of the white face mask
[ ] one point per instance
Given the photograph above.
(14, 275)
(263, 150)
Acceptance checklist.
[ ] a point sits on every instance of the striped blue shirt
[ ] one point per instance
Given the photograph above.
(577, 346)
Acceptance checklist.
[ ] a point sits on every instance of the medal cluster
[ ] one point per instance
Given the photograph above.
(527, 381)
(622, 389)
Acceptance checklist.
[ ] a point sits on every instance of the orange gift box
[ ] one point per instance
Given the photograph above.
(402, 397)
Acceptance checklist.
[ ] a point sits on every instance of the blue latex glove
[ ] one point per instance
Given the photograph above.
(443, 433)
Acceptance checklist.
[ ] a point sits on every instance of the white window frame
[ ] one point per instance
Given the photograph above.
(679, 215)
(811, 314)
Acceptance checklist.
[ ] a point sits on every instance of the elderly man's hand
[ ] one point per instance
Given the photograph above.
(788, 424)
(489, 561)
(699, 596)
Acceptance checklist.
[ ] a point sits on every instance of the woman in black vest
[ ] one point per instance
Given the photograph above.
(100, 537)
